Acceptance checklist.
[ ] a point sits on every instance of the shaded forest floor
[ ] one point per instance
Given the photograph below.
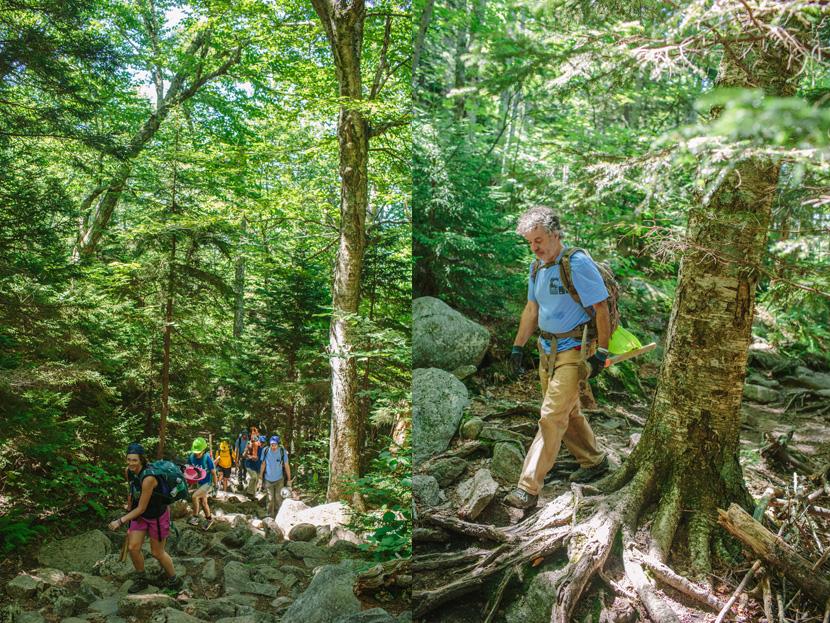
(801, 427)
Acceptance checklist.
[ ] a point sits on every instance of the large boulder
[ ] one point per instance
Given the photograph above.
(329, 596)
(294, 512)
(476, 493)
(443, 338)
(304, 532)
(438, 401)
(77, 553)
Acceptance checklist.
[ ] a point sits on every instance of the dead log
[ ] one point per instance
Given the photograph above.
(775, 551)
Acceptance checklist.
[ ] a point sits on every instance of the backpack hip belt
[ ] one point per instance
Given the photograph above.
(575, 333)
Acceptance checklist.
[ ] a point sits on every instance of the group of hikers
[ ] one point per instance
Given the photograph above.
(153, 486)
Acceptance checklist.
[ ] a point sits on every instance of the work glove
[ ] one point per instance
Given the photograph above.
(516, 356)
(597, 362)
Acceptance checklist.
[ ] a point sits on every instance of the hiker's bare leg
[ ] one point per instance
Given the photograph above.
(157, 549)
(135, 539)
(207, 508)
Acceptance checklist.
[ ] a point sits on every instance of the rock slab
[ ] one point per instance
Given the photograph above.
(329, 596)
(438, 402)
(77, 553)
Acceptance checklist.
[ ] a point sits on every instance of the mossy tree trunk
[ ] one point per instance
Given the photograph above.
(690, 442)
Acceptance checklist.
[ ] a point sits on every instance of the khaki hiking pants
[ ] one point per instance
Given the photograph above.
(561, 419)
(274, 497)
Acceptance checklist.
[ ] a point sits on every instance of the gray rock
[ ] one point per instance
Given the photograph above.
(340, 534)
(212, 609)
(476, 493)
(209, 571)
(24, 586)
(302, 550)
(142, 606)
(373, 615)
(303, 532)
(259, 548)
(105, 607)
(77, 553)
(74, 620)
(66, 606)
(238, 580)
(172, 615)
(329, 596)
(281, 603)
(425, 491)
(536, 604)
(447, 471)
(443, 338)
(507, 463)
(811, 379)
(266, 574)
(463, 372)
(438, 401)
(753, 378)
(110, 566)
(190, 543)
(471, 428)
(405, 617)
(493, 433)
(323, 534)
(96, 585)
(238, 536)
(759, 393)
(29, 616)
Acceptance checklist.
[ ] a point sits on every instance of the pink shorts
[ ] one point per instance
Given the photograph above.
(158, 529)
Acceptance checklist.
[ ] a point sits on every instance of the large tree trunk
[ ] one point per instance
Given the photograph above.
(343, 23)
(691, 437)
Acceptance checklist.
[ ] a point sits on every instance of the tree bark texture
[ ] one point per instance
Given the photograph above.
(693, 430)
(343, 23)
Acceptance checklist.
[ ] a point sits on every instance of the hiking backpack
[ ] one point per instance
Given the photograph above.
(608, 279)
(172, 486)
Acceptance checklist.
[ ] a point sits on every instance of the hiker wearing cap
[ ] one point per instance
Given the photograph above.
(274, 470)
(199, 458)
(553, 308)
(239, 447)
(253, 460)
(148, 514)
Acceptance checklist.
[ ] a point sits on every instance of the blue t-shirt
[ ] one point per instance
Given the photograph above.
(274, 460)
(558, 312)
(206, 463)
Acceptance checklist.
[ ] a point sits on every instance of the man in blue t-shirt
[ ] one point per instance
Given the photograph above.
(274, 472)
(564, 359)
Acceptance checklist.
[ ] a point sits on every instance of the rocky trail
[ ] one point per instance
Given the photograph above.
(303, 567)
(464, 569)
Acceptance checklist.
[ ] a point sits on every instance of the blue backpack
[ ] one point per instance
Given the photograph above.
(172, 486)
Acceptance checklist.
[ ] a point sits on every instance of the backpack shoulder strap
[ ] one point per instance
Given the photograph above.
(567, 276)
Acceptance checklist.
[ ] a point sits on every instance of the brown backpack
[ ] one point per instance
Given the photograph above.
(608, 279)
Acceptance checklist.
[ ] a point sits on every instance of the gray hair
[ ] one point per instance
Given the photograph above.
(535, 217)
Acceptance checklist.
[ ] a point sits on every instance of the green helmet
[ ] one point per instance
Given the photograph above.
(199, 445)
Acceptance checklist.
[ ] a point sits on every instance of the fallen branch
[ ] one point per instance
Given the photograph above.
(775, 551)
(493, 605)
(478, 531)
(678, 582)
(749, 574)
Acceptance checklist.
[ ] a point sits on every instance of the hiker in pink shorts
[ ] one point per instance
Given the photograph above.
(148, 515)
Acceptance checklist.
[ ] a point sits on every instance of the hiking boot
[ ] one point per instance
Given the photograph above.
(173, 584)
(520, 498)
(139, 583)
(208, 523)
(587, 474)
(193, 521)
